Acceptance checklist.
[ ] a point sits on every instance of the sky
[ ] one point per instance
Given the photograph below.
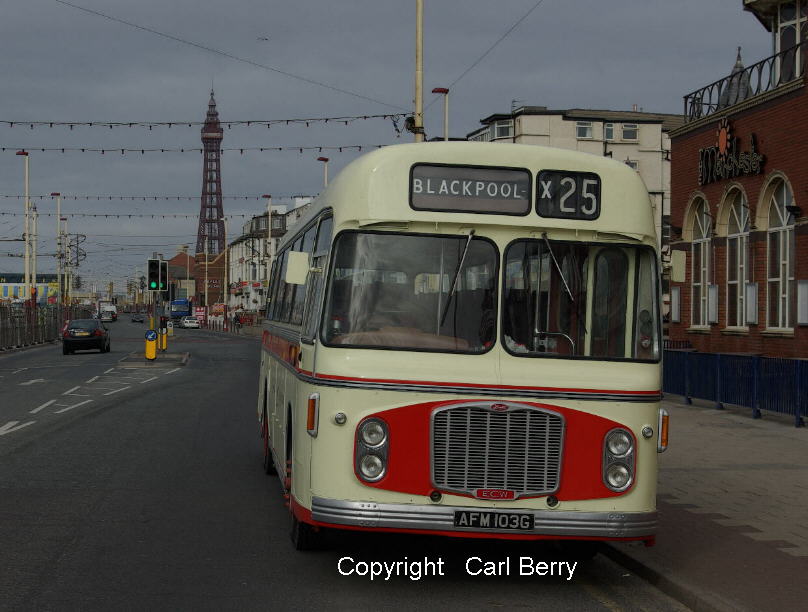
(267, 60)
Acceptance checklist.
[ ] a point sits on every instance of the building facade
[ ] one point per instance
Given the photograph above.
(740, 199)
(637, 138)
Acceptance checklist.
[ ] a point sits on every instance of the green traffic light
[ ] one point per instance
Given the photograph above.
(153, 285)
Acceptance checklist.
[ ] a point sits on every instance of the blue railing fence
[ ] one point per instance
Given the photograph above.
(759, 383)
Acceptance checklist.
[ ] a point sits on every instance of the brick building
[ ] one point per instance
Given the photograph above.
(739, 201)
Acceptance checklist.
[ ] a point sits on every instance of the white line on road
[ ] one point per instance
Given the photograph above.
(73, 406)
(93, 379)
(32, 381)
(17, 371)
(69, 391)
(12, 426)
(116, 390)
(108, 371)
(45, 405)
(148, 379)
(172, 371)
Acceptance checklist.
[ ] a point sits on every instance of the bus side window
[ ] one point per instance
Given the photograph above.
(306, 246)
(314, 291)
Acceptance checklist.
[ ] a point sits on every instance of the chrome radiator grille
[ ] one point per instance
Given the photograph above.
(496, 446)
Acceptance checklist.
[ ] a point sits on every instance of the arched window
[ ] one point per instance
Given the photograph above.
(737, 259)
(780, 265)
(700, 263)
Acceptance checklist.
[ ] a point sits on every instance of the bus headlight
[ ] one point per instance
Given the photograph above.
(618, 459)
(372, 443)
(371, 467)
(618, 443)
(373, 432)
(618, 476)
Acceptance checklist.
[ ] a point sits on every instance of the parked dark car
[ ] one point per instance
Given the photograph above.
(137, 318)
(82, 334)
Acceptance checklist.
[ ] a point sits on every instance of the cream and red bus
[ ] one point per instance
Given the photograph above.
(463, 339)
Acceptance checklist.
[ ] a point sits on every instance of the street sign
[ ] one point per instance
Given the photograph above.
(151, 335)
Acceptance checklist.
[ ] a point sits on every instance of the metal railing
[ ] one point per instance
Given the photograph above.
(760, 383)
(22, 326)
(765, 75)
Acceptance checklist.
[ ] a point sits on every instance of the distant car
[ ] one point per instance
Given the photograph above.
(138, 318)
(188, 322)
(83, 334)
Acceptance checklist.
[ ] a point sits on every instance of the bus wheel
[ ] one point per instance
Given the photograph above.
(269, 465)
(578, 550)
(304, 536)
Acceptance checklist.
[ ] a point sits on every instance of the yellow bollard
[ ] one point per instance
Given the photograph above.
(151, 345)
(163, 339)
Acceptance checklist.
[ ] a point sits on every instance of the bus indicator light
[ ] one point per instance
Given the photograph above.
(663, 430)
(313, 414)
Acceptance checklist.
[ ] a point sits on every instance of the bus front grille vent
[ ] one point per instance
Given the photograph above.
(503, 446)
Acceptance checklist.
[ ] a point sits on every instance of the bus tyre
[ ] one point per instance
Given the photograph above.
(578, 550)
(269, 464)
(304, 536)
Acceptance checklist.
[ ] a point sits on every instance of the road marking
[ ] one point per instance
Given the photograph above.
(116, 390)
(148, 379)
(17, 371)
(69, 391)
(32, 381)
(172, 371)
(108, 371)
(12, 426)
(93, 379)
(71, 407)
(45, 405)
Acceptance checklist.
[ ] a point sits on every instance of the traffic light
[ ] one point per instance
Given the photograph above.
(153, 276)
(163, 275)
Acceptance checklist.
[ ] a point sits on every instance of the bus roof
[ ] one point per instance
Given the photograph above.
(375, 189)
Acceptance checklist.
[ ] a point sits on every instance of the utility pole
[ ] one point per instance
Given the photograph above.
(35, 219)
(26, 205)
(419, 71)
(58, 197)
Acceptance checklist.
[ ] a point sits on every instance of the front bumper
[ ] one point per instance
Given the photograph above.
(547, 523)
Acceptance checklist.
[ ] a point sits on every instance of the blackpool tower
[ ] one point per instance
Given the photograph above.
(211, 214)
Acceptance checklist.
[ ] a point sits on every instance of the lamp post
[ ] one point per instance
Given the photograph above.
(418, 116)
(58, 197)
(445, 92)
(26, 205)
(325, 170)
(268, 252)
(34, 230)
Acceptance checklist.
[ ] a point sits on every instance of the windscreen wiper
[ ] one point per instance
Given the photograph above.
(456, 277)
(558, 268)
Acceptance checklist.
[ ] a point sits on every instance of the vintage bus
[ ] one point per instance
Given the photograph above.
(464, 339)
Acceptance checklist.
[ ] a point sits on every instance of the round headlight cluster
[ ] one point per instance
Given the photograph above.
(618, 460)
(371, 449)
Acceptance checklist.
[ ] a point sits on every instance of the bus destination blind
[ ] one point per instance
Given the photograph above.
(470, 189)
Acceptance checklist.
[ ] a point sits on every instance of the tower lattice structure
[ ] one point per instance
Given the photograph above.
(211, 213)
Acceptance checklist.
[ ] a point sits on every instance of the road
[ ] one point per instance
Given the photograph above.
(136, 488)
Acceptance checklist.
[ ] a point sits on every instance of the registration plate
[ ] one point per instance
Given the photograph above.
(82, 333)
(519, 521)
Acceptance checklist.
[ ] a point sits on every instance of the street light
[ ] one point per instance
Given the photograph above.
(58, 197)
(445, 92)
(26, 206)
(325, 170)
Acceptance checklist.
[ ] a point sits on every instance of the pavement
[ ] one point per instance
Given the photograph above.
(733, 505)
